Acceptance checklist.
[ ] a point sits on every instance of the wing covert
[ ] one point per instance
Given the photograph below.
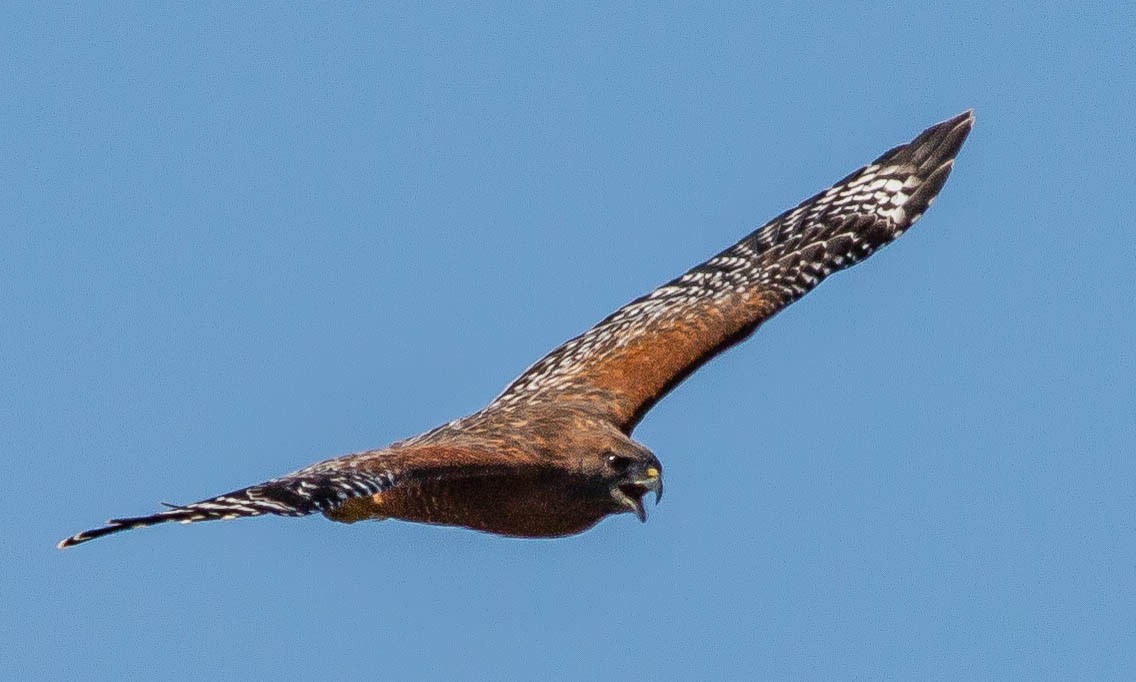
(622, 366)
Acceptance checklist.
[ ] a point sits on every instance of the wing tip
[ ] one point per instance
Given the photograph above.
(79, 538)
(932, 153)
(941, 142)
(959, 122)
(934, 146)
(119, 525)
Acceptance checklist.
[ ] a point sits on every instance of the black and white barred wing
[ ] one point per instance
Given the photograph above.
(628, 361)
(321, 487)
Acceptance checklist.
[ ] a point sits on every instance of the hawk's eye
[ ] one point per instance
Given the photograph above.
(618, 463)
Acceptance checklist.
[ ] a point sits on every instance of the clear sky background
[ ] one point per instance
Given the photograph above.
(234, 241)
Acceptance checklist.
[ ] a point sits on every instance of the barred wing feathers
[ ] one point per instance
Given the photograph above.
(626, 363)
(321, 487)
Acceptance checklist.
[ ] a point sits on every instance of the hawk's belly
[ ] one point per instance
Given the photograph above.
(540, 506)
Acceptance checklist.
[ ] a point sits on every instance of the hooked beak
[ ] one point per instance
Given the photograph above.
(633, 492)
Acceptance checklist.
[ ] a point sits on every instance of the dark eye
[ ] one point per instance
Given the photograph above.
(618, 463)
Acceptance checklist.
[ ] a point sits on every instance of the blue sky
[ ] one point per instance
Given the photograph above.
(234, 241)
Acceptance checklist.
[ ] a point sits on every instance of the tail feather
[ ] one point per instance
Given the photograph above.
(318, 488)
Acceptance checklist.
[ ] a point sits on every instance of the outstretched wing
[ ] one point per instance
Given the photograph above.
(321, 487)
(621, 367)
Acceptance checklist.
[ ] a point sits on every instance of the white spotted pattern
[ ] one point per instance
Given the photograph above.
(775, 265)
(321, 487)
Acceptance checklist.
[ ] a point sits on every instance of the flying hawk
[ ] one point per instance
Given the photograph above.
(552, 455)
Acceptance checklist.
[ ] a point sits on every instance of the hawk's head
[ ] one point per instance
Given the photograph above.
(630, 472)
(610, 473)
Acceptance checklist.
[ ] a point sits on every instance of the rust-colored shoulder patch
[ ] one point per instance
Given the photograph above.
(359, 509)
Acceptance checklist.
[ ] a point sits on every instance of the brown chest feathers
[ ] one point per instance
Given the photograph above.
(539, 504)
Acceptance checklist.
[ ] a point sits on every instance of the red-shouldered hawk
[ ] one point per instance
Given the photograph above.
(552, 455)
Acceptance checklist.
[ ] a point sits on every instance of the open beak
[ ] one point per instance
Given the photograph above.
(634, 492)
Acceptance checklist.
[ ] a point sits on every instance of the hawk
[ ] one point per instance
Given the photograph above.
(552, 455)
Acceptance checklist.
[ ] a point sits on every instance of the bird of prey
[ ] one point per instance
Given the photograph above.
(552, 455)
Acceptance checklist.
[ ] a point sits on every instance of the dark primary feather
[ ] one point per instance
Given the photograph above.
(621, 367)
